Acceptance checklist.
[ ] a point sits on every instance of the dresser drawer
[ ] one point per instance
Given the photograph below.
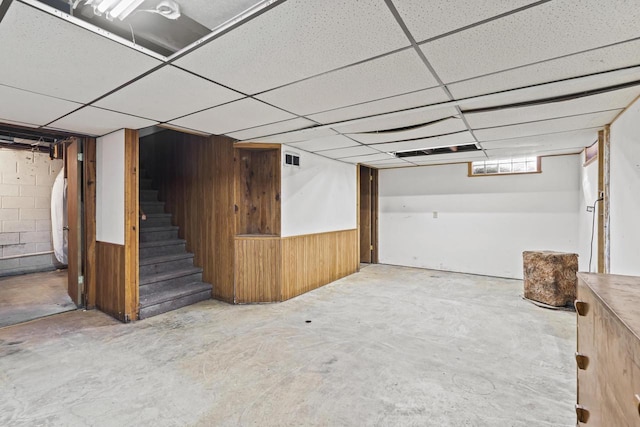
(587, 371)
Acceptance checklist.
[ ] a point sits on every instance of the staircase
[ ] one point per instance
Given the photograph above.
(168, 278)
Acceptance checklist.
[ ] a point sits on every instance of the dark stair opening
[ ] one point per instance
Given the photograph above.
(168, 278)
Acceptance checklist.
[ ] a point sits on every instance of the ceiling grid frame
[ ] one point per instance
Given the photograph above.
(421, 54)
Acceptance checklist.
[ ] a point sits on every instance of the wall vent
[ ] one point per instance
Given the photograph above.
(291, 159)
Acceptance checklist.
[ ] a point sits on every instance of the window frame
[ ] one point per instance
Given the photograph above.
(473, 175)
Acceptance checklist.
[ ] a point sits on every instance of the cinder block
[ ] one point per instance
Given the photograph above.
(44, 247)
(43, 203)
(9, 190)
(35, 237)
(34, 191)
(8, 160)
(43, 225)
(18, 202)
(36, 260)
(45, 180)
(9, 214)
(21, 249)
(8, 264)
(35, 213)
(16, 178)
(9, 238)
(21, 225)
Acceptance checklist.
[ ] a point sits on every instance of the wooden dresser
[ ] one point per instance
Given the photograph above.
(608, 357)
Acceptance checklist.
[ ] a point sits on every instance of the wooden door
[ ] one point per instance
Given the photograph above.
(368, 215)
(74, 221)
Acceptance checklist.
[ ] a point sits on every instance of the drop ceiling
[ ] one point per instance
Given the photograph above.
(352, 81)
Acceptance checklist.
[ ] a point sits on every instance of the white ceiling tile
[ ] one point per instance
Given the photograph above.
(567, 87)
(358, 150)
(22, 106)
(594, 61)
(433, 159)
(57, 58)
(552, 29)
(96, 121)
(584, 121)
(166, 94)
(237, 115)
(367, 158)
(325, 143)
(427, 20)
(393, 165)
(554, 141)
(211, 17)
(396, 120)
(461, 138)
(389, 161)
(387, 105)
(183, 129)
(588, 104)
(295, 40)
(443, 127)
(299, 135)
(387, 76)
(511, 152)
(271, 129)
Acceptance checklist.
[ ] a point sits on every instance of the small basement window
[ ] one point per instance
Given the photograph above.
(514, 165)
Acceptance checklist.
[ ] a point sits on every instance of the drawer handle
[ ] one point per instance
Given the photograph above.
(582, 414)
(581, 307)
(582, 361)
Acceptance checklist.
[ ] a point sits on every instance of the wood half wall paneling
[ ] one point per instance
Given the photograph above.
(110, 277)
(194, 175)
(314, 260)
(131, 232)
(257, 269)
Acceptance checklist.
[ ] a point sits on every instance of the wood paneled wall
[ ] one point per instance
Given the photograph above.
(257, 269)
(195, 176)
(257, 191)
(116, 266)
(314, 260)
(271, 269)
(201, 179)
(110, 295)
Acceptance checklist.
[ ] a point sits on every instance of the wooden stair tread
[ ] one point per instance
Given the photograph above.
(165, 294)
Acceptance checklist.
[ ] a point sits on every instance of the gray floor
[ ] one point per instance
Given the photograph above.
(31, 296)
(388, 346)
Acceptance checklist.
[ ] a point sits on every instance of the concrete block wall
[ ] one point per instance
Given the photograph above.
(26, 180)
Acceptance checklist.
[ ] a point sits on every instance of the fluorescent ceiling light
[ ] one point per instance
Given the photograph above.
(124, 8)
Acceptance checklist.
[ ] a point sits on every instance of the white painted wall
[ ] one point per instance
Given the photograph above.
(318, 196)
(624, 187)
(483, 224)
(588, 195)
(110, 188)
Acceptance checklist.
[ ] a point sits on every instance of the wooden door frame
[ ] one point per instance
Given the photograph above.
(373, 173)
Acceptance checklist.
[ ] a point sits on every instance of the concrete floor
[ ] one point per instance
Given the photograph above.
(388, 346)
(31, 296)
